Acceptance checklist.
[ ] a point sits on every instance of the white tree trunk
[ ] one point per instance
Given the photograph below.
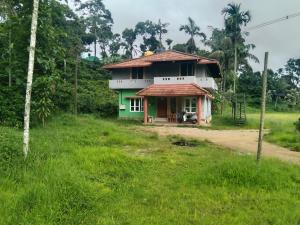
(29, 76)
(235, 68)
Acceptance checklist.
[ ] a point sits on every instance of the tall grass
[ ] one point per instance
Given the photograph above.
(89, 171)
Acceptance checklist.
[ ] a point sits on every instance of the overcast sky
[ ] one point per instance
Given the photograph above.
(282, 40)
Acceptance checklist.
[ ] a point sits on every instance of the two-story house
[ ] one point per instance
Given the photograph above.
(162, 85)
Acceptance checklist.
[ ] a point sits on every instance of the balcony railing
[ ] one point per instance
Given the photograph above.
(204, 82)
(130, 84)
(175, 80)
(207, 82)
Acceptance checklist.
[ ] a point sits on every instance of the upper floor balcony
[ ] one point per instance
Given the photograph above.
(204, 82)
(130, 83)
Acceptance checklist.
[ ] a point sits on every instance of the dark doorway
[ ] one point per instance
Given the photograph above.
(162, 107)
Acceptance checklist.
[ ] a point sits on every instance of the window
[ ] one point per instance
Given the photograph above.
(137, 73)
(136, 105)
(187, 69)
(190, 105)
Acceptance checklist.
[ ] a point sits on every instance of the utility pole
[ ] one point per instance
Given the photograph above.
(263, 107)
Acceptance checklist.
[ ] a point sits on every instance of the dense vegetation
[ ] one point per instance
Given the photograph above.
(89, 171)
(65, 33)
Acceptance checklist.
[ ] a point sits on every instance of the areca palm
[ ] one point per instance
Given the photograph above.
(194, 31)
(234, 20)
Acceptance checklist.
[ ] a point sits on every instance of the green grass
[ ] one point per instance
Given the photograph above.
(281, 125)
(90, 171)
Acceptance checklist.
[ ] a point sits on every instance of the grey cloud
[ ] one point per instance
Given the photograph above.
(281, 39)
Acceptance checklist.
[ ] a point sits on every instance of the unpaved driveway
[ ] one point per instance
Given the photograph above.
(239, 140)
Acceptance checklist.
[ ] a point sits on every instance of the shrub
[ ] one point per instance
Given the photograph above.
(11, 106)
(297, 124)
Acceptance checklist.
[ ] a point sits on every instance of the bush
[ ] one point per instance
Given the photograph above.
(11, 107)
(297, 124)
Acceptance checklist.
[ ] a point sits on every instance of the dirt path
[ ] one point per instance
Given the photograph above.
(238, 140)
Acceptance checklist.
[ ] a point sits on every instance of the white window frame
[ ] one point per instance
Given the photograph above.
(190, 108)
(138, 104)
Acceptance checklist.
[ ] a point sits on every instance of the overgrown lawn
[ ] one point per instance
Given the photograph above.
(89, 171)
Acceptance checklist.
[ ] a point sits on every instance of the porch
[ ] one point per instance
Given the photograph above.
(169, 109)
(170, 101)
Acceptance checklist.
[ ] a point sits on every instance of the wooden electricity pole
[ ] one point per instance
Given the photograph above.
(263, 107)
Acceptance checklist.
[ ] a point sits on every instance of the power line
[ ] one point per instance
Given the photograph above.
(273, 21)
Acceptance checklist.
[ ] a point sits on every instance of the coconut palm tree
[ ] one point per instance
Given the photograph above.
(194, 31)
(234, 20)
(169, 42)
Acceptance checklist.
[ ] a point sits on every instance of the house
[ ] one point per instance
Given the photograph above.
(161, 86)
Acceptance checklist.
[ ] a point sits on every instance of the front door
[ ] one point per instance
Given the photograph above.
(162, 107)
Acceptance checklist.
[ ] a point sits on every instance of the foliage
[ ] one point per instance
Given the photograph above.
(180, 47)
(11, 106)
(98, 21)
(297, 125)
(217, 103)
(193, 31)
(169, 43)
(43, 104)
(129, 36)
(148, 30)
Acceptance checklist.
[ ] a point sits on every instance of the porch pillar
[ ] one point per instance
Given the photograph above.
(145, 110)
(199, 109)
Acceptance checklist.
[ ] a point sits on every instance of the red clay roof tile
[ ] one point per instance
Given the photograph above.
(173, 90)
(170, 55)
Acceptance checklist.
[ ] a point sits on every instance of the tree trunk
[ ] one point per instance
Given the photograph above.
(76, 87)
(235, 68)
(263, 108)
(29, 77)
(9, 60)
(95, 44)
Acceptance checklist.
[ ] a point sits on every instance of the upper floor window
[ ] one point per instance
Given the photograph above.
(187, 69)
(137, 73)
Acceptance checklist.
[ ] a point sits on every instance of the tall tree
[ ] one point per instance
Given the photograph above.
(169, 43)
(234, 20)
(148, 31)
(115, 45)
(162, 29)
(29, 76)
(129, 37)
(291, 73)
(193, 31)
(99, 22)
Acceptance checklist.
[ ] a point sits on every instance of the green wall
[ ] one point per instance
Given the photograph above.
(124, 100)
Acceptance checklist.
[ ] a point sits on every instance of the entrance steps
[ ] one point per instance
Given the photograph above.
(160, 120)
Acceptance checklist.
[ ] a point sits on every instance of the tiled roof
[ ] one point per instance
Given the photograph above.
(173, 90)
(170, 55)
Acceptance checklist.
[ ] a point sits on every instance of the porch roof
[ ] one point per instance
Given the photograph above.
(173, 90)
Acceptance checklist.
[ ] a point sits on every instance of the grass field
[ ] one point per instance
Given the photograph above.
(280, 124)
(89, 171)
